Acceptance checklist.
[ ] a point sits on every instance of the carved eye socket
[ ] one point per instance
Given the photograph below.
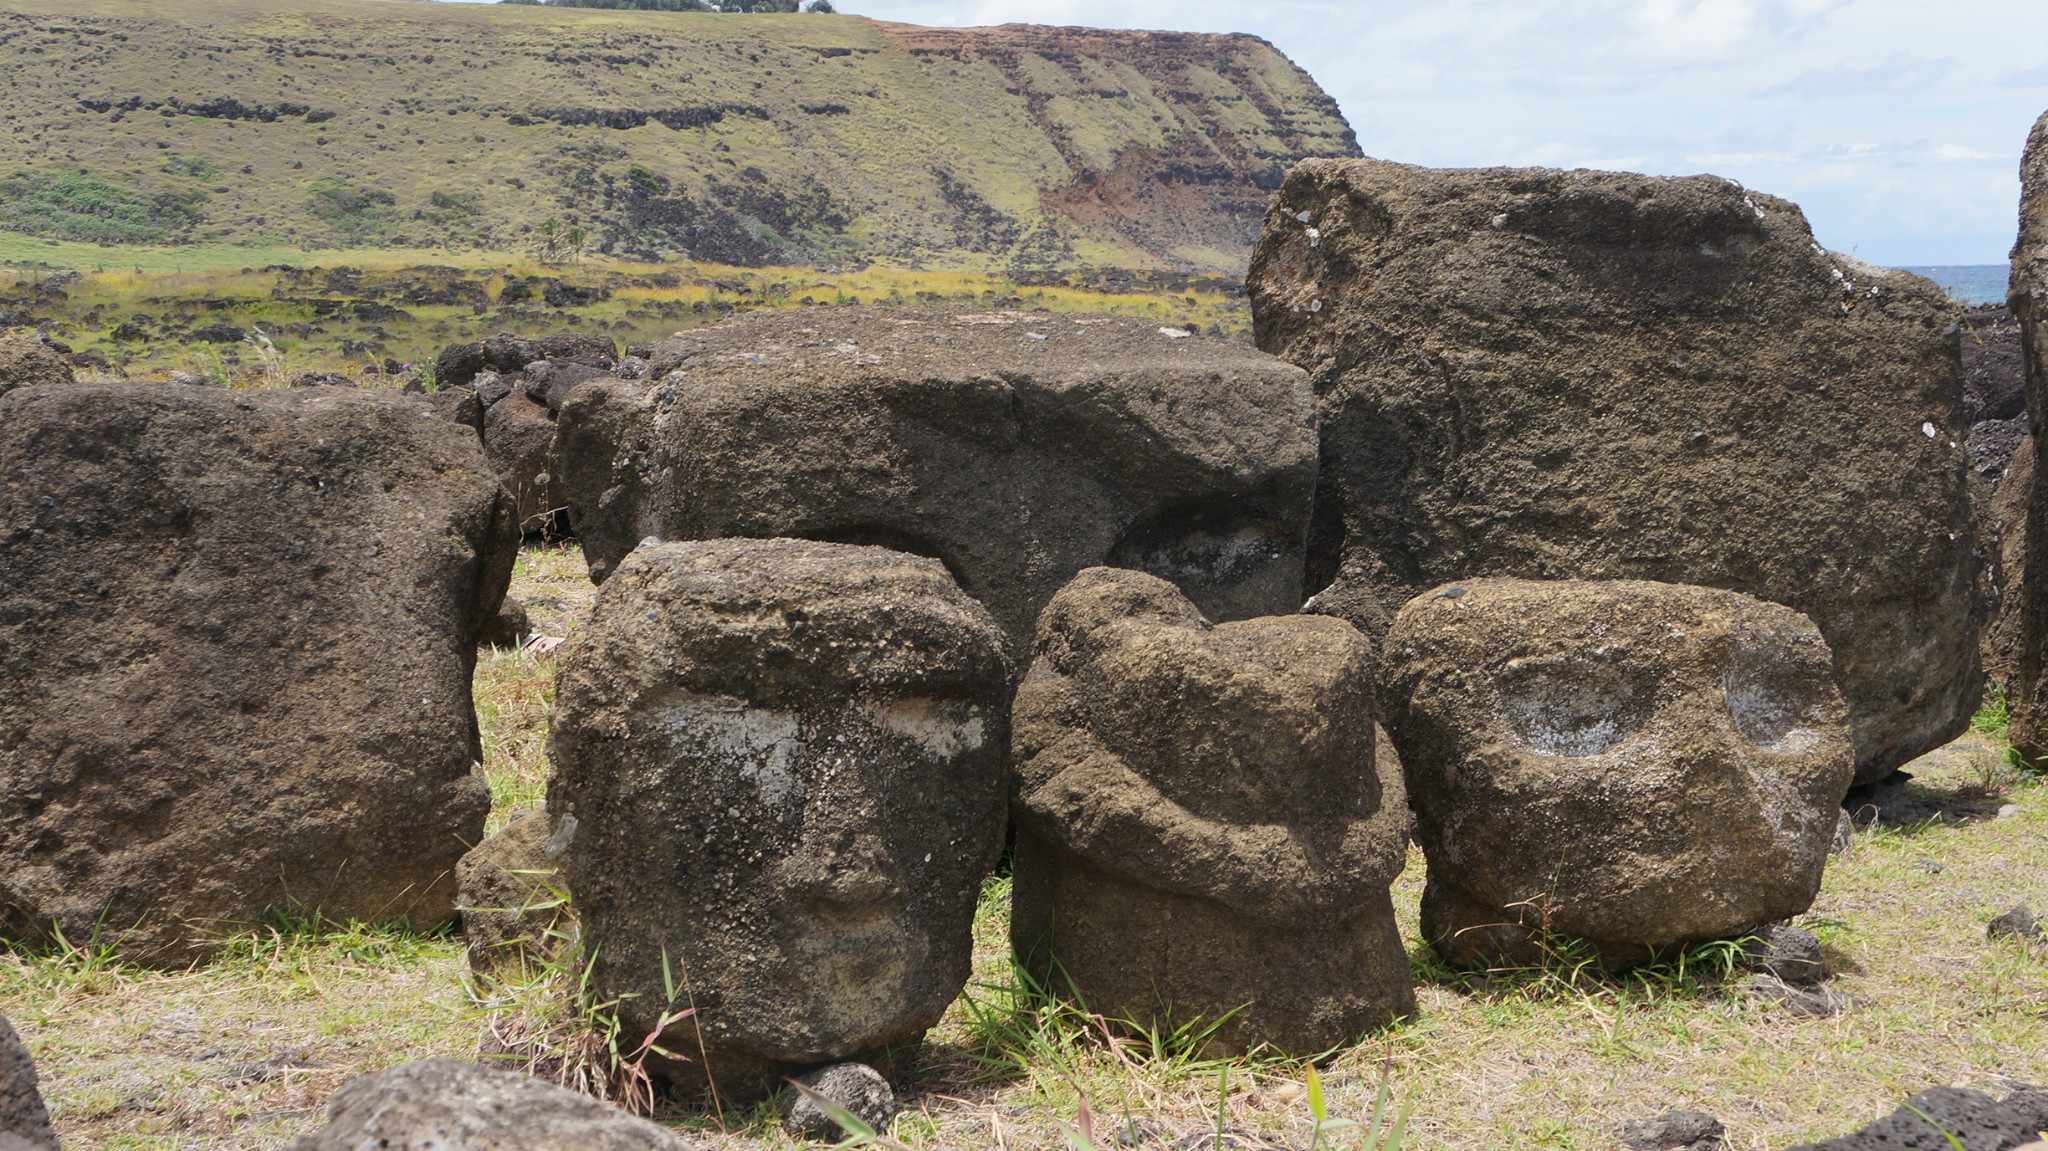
(1768, 695)
(1571, 707)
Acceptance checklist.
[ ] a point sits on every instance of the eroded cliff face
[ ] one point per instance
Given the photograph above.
(739, 139)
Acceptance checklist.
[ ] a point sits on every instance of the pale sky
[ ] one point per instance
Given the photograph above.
(1896, 124)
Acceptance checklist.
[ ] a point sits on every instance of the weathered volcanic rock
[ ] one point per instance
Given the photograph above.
(25, 361)
(1994, 371)
(458, 365)
(1200, 827)
(787, 764)
(511, 894)
(444, 1104)
(1947, 1118)
(236, 637)
(2028, 690)
(2006, 515)
(517, 435)
(1591, 375)
(860, 1090)
(1017, 449)
(1637, 765)
(22, 1114)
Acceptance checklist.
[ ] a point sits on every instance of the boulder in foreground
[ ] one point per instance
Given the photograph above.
(236, 637)
(444, 1104)
(1639, 766)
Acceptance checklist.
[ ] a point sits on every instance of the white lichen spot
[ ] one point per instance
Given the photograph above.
(1175, 333)
(1927, 429)
(1315, 236)
(1302, 216)
(1315, 306)
(943, 728)
(1499, 221)
(759, 744)
(1752, 207)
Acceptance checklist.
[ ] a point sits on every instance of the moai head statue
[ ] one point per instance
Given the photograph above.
(786, 763)
(1637, 765)
(1201, 828)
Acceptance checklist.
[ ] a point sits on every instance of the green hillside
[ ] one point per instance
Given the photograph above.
(741, 139)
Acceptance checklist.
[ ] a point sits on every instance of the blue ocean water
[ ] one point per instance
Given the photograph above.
(1969, 283)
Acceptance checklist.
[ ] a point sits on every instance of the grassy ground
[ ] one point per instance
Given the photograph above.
(196, 309)
(244, 1052)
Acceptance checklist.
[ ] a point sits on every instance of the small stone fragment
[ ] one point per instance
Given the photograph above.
(2019, 923)
(1674, 1131)
(22, 1114)
(1815, 1002)
(857, 1087)
(1791, 954)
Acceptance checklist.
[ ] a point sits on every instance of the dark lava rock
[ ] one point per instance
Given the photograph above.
(237, 631)
(517, 436)
(322, 380)
(1815, 1002)
(1015, 448)
(1992, 445)
(26, 360)
(1179, 781)
(550, 383)
(859, 1089)
(1941, 1119)
(511, 894)
(787, 762)
(22, 1114)
(2005, 515)
(1593, 375)
(492, 386)
(446, 1104)
(2019, 923)
(2027, 691)
(506, 628)
(1674, 1131)
(1639, 765)
(1789, 953)
(1994, 372)
(215, 333)
(459, 405)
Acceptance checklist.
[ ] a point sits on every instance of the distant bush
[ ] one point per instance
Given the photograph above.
(461, 203)
(84, 207)
(352, 211)
(197, 167)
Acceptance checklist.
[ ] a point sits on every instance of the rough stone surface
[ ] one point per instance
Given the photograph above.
(2019, 923)
(1994, 369)
(1015, 448)
(1972, 1119)
(2006, 519)
(22, 1114)
(1788, 953)
(511, 894)
(860, 1089)
(444, 1104)
(810, 740)
(517, 435)
(549, 383)
(1200, 825)
(26, 361)
(508, 627)
(1637, 765)
(1674, 1131)
(1591, 375)
(236, 637)
(2027, 692)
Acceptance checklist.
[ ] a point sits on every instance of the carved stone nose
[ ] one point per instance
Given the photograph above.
(846, 867)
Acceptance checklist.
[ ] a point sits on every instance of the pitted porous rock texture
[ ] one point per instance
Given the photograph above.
(1948, 1119)
(1594, 375)
(1637, 765)
(444, 1104)
(2028, 689)
(1015, 448)
(26, 361)
(511, 894)
(1200, 826)
(22, 1114)
(787, 761)
(2005, 517)
(236, 637)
